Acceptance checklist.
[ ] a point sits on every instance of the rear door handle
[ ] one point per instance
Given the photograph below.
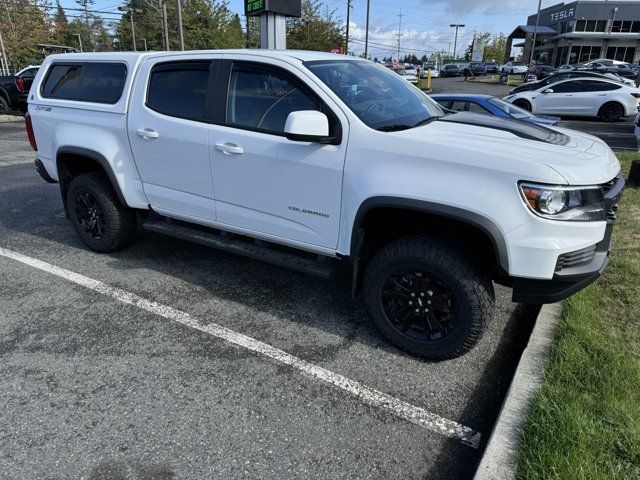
(229, 148)
(147, 133)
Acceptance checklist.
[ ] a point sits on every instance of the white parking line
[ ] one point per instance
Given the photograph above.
(15, 162)
(367, 395)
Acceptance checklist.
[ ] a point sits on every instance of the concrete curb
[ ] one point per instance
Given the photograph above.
(500, 457)
(10, 118)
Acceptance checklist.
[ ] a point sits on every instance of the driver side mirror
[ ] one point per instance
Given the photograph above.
(307, 126)
(548, 90)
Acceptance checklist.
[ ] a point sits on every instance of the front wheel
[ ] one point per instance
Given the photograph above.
(524, 104)
(427, 298)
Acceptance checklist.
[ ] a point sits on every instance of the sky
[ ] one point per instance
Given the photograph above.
(425, 23)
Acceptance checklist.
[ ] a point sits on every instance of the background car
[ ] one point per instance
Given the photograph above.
(474, 68)
(431, 68)
(491, 67)
(487, 104)
(558, 77)
(407, 76)
(514, 68)
(636, 130)
(450, 70)
(584, 97)
(543, 71)
(14, 89)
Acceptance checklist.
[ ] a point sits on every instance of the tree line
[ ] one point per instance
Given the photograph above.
(32, 28)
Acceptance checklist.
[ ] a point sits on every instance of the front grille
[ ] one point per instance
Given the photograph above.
(612, 194)
(577, 258)
(610, 184)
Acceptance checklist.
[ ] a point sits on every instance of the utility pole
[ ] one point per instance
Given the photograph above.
(399, 32)
(180, 24)
(346, 43)
(5, 63)
(366, 33)
(145, 43)
(166, 26)
(248, 22)
(535, 35)
(79, 40)
(130, 11)
(455, 42)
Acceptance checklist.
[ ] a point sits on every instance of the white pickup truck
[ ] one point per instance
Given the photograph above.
(308, 160)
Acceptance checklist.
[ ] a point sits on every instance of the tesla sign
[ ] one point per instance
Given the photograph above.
(562, 15)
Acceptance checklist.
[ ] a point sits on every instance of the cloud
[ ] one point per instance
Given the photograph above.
(508, 7)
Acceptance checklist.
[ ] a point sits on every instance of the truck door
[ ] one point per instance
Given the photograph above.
(169, 135)
(263, 181)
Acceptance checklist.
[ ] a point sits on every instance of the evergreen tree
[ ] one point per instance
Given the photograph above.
(316, 30)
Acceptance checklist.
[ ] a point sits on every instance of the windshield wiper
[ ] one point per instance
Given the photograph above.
(401, 126)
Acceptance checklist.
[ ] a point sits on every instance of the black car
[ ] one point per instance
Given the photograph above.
(543, 71)
(491, 67)
(527, 87)
(474, 68)
(450, 70)
(14, 90)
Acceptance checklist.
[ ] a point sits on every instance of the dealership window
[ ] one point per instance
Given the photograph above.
(623, 54)
(590, 26)
(581, 54)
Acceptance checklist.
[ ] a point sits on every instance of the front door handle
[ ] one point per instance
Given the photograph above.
(147, 133)
(229, 148)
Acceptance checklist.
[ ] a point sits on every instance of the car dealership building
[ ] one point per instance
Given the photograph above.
(581, 31)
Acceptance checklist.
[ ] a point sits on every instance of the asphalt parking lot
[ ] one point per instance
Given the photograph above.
(618, 135)
(171, 360)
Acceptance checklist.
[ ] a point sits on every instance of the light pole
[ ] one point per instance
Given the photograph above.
(130, 11)
(366, 33)
(455, 42)
(180, 24)
(535, 35)
(79, 40)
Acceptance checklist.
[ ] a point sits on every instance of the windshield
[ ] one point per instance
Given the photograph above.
(380, 98)
(515, 112)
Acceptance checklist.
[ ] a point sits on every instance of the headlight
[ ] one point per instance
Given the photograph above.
(580, 204)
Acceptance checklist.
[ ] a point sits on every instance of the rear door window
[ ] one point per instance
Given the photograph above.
(86, 82)
(179, 89)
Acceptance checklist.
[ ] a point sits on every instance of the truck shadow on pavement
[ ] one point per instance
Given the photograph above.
(296, 302)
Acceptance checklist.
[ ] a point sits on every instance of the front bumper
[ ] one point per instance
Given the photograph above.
(567, 281)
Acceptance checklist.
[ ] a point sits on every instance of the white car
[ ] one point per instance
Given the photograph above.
(584, 97)
(29, 71)
(409, 77)
(327, 160)
(435, 73)
(514, 68)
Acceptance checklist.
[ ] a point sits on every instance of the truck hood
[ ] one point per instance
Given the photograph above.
(579, 158)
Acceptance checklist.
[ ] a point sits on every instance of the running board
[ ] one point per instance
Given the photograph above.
(258, 250)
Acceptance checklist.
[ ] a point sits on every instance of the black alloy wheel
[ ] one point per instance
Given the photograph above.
(611, 112)
(419, 305)
(90, 215)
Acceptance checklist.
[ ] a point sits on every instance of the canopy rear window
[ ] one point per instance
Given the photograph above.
(85, 82)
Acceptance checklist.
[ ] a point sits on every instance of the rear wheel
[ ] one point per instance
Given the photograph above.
(100, 220)
(611, 112)
(4, 106)
(522, 103)
(427, 298)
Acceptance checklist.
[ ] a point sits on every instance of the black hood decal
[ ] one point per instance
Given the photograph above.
(519, 128)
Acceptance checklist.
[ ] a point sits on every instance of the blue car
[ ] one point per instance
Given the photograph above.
(488, 105)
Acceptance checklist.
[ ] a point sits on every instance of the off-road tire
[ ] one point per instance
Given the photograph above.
(4, 106)
(473, 292)
(120, 222)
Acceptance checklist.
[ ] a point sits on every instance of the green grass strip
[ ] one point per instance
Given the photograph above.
(584, 422)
